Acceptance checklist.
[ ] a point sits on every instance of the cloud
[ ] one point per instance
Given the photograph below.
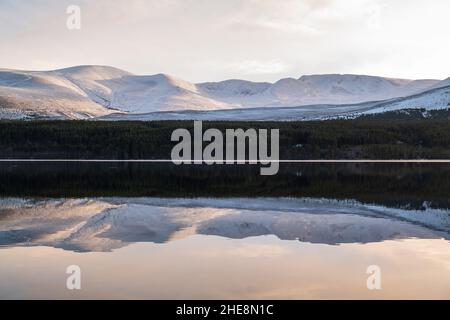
(204, 40)
(260, 67)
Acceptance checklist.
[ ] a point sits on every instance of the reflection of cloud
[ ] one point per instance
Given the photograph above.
(259, 251)
(434, 252)
(207, 268)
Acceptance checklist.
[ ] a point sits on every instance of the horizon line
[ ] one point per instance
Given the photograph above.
(233, 78)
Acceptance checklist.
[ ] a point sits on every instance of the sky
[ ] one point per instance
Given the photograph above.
(212, 40)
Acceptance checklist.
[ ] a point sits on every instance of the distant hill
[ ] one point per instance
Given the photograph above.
(97, 91)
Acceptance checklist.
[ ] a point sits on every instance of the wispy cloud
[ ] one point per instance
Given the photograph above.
(204, 40)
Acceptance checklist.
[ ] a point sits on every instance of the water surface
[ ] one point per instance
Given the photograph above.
(309, 234)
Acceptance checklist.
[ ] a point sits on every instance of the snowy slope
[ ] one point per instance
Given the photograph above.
(123, 91)
(315, 89)
(443, 83)
(91, 91)
(434, 99)
(46, 94)
(96, 91)
(430, 100)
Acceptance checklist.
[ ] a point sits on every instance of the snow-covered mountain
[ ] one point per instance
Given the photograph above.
(96, 91)
(116, 89)
(435, 99)
(314, 89)
(44, 93)
(443, 83)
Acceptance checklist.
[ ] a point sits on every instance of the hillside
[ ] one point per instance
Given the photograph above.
(95, 91)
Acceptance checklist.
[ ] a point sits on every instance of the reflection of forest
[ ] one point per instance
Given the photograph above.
(412, 186)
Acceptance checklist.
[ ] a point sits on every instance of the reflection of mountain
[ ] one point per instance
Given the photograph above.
(107, 224)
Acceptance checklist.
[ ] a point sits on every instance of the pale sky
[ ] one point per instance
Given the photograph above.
(210, 40)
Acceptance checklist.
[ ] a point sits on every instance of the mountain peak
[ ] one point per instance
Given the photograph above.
(93, 72)
(92, 90)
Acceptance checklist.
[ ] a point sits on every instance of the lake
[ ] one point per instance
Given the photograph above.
(158, 231)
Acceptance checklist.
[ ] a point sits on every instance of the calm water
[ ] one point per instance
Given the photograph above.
(163, 232)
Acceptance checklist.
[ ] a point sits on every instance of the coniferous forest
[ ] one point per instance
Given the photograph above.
(334, 139)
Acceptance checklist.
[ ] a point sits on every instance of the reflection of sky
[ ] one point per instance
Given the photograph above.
(214, 267)
(139, 248)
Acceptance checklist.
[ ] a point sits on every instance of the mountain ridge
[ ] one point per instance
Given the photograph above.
(92, 91)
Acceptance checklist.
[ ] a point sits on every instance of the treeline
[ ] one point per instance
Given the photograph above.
(335, 139)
